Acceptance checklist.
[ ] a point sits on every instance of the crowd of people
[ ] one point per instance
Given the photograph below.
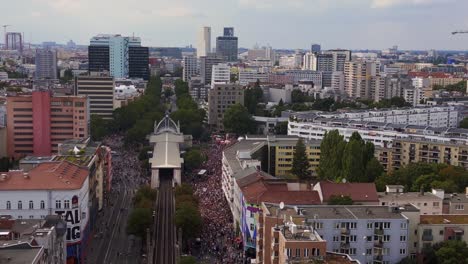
(218, 243)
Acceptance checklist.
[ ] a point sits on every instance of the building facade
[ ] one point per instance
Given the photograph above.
(227, 45)
(221, 73)
(190, 67)
(206, 66)
(220, 98)
(204, 42)
(38, 122)
(14, 41)
(100, 93)
(46, 64)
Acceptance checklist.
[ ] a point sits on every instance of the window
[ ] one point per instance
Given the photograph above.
(335, 238)
(20, 205)
(402, 238)
(58, 204)
(404, 225)
(306, 252)
(386, 238)
(66, 204)
(337, 225)
(441, 232)
(352, 239)
(368, 251)
(402, 251)
(459, 207)
(42, 216)
(288, 252)
(435, 204)
(8, 205)
(385, 251)
(31, 205)
(352, 225)
(370, 225)
(318, 225)
(20, 217)
(31, 217)
(425, 204)
(298, 252)
(386, 225)
(369, 238)
(352, 251)
(42, 205)
(251, 227)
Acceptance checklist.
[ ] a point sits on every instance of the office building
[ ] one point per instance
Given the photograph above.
(206, 66)
(227, 45)
(204, 42)
(338, 58)
(220, 98)
(369, 234)
(100, 93)
(46, 64)
(248, 75)
(38, 122)
(198, 91)
(122, 56)
(221, 73)
(305, 76)
(14, 41)
(53, 188)
(264, 53)
(190, 67)
(138, 62)
(316, 48)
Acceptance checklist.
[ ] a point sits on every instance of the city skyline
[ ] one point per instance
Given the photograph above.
(357, 24)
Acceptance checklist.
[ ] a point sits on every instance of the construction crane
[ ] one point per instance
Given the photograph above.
(460, 32)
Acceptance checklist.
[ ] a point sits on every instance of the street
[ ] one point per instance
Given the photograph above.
(111, 244)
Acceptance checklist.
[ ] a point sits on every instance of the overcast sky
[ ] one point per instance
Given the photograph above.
(353, 24)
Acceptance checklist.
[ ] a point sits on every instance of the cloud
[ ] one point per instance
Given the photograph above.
(271, 4)
(394, 3)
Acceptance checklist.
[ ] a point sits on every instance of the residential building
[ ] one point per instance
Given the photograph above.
(310, 61)
(267, 125)
(248, 75)
(190, 67)
(99, 89)
(357, 76)
(38, 122)
(220, 98)
(435, 229)
(206, 66)
(382, 129)
(335, 62)
(221, 73)
(360, 193)
(226, 45)
(14, 41)
(456, 203)
(54, 188)
(42, 238)
(122, 57)
(46, 64)
(337, 82)
(305, 75)
(370, 234)
(265, 53)
(429, 203)
(204, 42)
(198, 91)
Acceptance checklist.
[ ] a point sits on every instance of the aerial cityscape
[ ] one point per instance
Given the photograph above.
(234, 132)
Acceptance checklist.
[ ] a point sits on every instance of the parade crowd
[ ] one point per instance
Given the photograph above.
(218, 243)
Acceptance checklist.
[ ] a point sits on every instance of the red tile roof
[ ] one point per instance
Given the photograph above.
(46, 176)
(429, 74)
(256, 189)
(359, 192)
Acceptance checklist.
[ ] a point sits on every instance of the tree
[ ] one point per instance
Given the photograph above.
(168, 92)
(252, 97)
(193, 159)
(452, 251)
(300, 165)
(183, 189)
(353, 169)
(238, 120)
(373, 170)
(139, 220)
(187, 217)
(340, 200)
(464, 123)
(281, 128)
(331, 154)
(144, 195)
(188, 260)
(98, 127)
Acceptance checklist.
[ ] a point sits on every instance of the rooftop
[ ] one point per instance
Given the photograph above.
(20, 255)
(62, 175)
(444, 219)
(403, 196)
(359, 192)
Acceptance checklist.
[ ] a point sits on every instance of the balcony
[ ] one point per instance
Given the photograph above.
(378, 259)
(344, 231)
(378, 232)
(344, 245)
(427, 237)
(378, 244)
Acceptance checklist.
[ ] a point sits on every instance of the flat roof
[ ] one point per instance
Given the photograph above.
(443, 219)
(408, 196)
(166, 152)
(19, 256)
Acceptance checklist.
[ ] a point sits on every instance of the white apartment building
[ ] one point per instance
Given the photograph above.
(413, 95)
(204, 42)
(221, 73)
(357, 77)
(190, 67)
(306, 75)
(421, 83)
(310, 61)
(52, 188)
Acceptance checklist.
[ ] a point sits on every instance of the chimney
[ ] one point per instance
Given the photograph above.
(421, 191)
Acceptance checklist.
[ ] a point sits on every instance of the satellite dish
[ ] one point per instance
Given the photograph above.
(281, 205)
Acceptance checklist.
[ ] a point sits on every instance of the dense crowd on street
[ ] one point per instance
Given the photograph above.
(217, 240)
